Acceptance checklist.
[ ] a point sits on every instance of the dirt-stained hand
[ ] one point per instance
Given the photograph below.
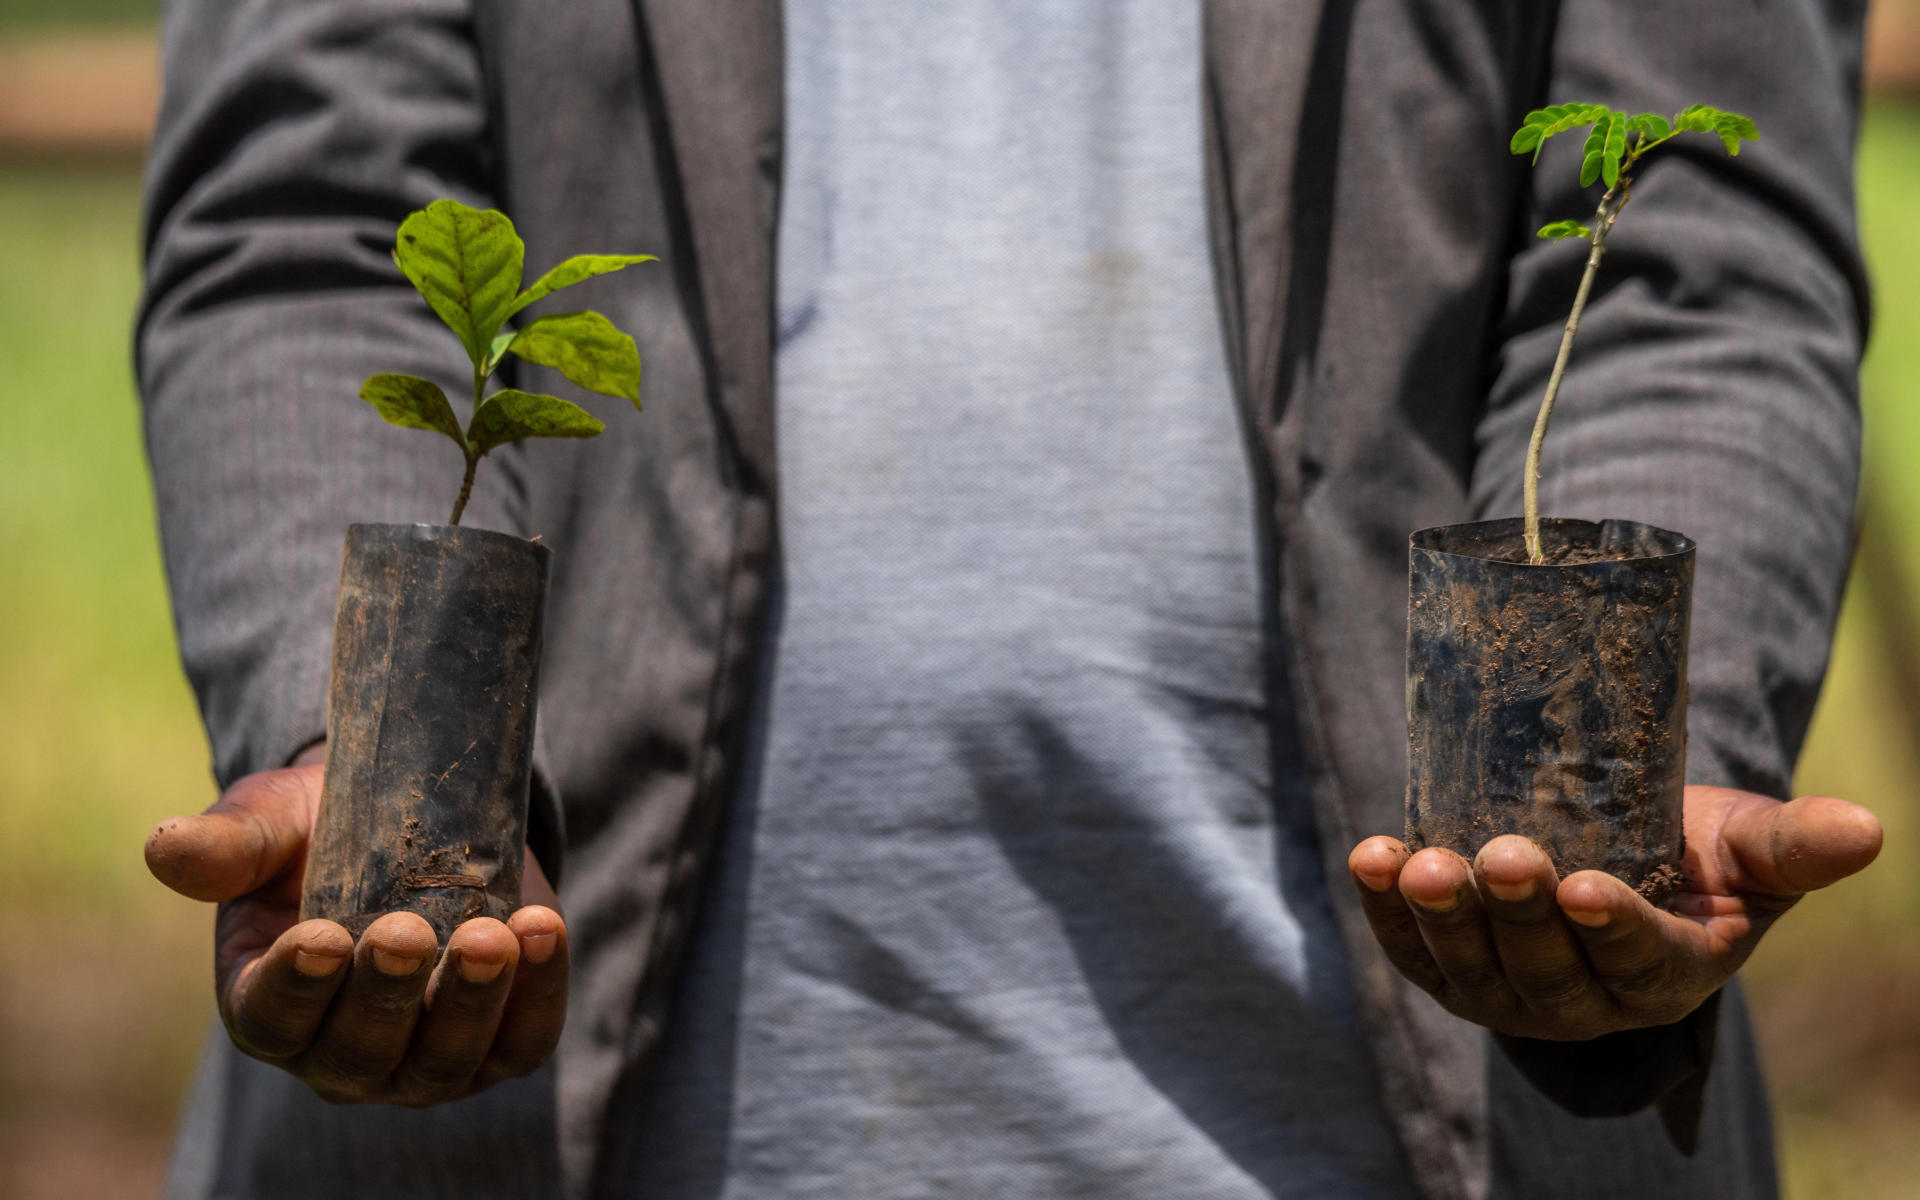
(377, 1022)
(1506, 944)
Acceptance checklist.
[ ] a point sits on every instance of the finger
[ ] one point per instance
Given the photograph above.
(463, 1008)
(1639, 955)
(247, 838)
(1375, 865)
(1438, 885)
(1792, 848)
(272, 1001)
(536, 1007)
(1540, 955)
(365, 1033)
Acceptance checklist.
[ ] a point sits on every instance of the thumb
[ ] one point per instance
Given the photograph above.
(248, 837)
(1787, 849)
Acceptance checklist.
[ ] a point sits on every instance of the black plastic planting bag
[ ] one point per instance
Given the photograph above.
(436, 658)
(1551, 701)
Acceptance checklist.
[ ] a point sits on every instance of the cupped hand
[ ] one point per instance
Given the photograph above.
(1504, 943)
(380, 1021)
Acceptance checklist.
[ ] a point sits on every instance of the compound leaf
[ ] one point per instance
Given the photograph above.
(466, 262)
(1734, 129)
(1652, 126)
(572, 271)
(1616, 146)
(1600, 158)
(586, 348)
(1591, 154)
(1694, 118)
(1564, 229)
(413, 403)
(509, 415)
(1731, 127)
(1543, 123)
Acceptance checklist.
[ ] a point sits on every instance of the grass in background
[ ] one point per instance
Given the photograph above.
(66, 14)
(103, 996)
(105, 993)
(1836, 989)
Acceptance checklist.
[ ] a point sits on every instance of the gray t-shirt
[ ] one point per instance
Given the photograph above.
(1022, 898)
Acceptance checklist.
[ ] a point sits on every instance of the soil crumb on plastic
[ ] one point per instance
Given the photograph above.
(1661, 885)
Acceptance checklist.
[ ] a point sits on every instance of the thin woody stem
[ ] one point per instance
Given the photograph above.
(466, 489)
(473, 460)
(1603, 219)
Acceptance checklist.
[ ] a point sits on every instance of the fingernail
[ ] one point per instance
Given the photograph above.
(1511, 892)
(479, 972)
(397, 965)
(1445, 905)
(316, 966)
(538, 947)
(1592, 920)
(1378, 883)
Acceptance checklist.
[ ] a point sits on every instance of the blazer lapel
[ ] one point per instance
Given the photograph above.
(714, 72)
(1276, 83)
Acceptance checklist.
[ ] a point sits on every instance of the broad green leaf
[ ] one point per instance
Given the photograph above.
(586, 348)
(1652, 125)
(1564, 229)
(572, 271)
(1543, 123)
(507, 416)
(413, 403)
(467, 264)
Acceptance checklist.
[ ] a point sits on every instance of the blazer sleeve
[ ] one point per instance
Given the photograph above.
(1713, 389)
(293, 137)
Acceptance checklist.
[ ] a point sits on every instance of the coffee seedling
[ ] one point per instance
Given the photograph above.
(467, 264)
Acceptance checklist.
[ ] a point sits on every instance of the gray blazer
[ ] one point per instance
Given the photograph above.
(1390, 323)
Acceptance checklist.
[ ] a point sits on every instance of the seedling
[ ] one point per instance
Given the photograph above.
(467, 264)
(1615, 145)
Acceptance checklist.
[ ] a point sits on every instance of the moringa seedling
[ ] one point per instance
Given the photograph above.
(467, 264)
(1615, 145)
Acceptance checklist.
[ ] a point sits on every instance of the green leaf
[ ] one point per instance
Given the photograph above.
(1564, 229)
(1600, 158)
(572, 271)
(1591, 154)
(1694, 118)
(467, 264)
(1731, 127)
(498, 350)
(507, 416)
(586, 348)
(413, 403)
(1616, 146)
(1543, 123)
(1652, 126)
(1734, 129)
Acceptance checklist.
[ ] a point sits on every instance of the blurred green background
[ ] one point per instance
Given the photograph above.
(104, 991)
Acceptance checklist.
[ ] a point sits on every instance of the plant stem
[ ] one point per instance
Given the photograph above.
(473, 460)
(466, 489)
(1603, 219)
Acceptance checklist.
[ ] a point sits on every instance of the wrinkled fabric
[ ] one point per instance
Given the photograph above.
(1389, 320)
